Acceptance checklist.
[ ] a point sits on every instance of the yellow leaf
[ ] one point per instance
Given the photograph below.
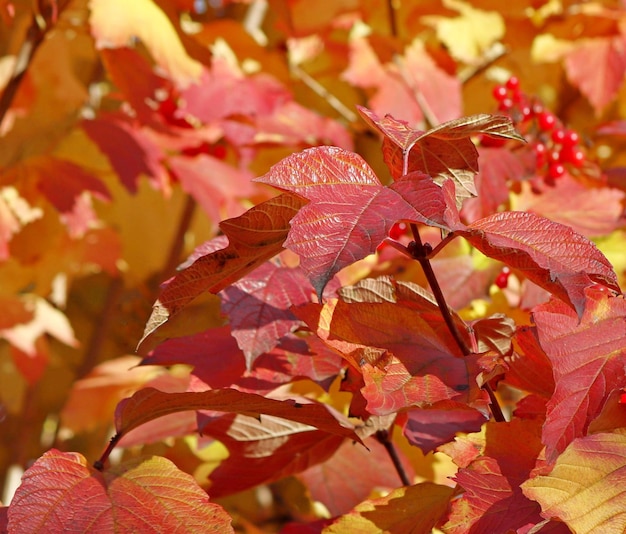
(471, 34)
(548, 49)
(115, 22)
(586, 487)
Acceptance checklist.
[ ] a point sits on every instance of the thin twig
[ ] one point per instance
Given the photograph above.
(383, 437)
(391, 14)
(324, 93)
(177, 246)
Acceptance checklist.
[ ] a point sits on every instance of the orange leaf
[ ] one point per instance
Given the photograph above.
(149, 403)
(60, 493)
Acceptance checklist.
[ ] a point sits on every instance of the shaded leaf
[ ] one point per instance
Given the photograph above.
(351, 474)
(585, 489)
(529, 366)
(428, 428)
(253, 238)
(60, 493)
(148, 404)
(409, 510)
(549, 254)
(494, 463)
(350, 211)
(263, 450)
(258, 307)
(403, 349)
(588, 357)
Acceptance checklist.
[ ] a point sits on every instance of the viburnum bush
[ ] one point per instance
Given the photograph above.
(285, 267)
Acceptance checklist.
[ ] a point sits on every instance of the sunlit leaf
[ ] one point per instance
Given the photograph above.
(446, 151)
(143, 19)
(350, 212)
(588, 358)
(551, 255)
(586, 487)
(494, 463)
(411, 510)
(60, 493)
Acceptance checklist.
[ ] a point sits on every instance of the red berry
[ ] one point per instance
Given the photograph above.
(622, 398)
(397, 230)
(571, 138)
(540, 154)
(505, 104)
(499, 93)
(546, 120)
(558, 135)
(553, 156)
(556, 170)
(502, 280)
(573, 155)
(512, 84)
(527, 112)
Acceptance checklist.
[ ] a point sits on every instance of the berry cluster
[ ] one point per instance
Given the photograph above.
(555, 147)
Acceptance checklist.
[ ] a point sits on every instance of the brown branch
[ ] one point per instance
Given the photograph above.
(421, 253)
(384, 438)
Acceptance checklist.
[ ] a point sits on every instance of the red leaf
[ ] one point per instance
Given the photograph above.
(597, 67)
(351, 474)
(215, 185)
(590, 211)
(504, 454)
(253, 238)
(62, 182)
(529, 367)
(258, 307)
(263, 450)
(446, 151)
(214, 353)
(148, 404)
(131, 153)
(135, 78)
(550, 254)
(497, 167)
(400, 343)
(60, 493)
(588, 357)
(350, 211)
(431, 427)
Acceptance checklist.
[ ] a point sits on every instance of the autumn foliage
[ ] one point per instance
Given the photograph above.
(286, 266)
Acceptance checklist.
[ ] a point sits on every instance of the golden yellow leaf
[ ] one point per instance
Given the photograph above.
(469, 35)
(586, 489)
(115, 22)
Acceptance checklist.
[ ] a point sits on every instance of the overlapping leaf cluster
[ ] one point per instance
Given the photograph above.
(302, 346)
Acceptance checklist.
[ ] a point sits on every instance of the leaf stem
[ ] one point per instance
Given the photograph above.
(99, 464)
(384, 438)
(421, 253)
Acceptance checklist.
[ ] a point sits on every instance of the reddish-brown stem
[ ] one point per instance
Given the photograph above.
(41, 24)
(385, 439)
(99, 464)
(421, 253)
